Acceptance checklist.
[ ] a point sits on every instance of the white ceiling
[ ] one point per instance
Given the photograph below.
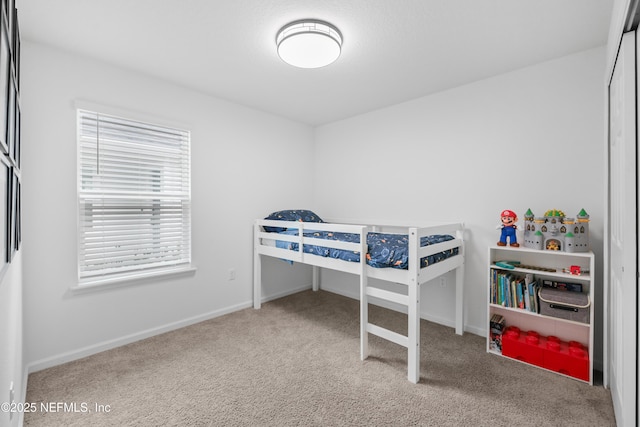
(394, 50)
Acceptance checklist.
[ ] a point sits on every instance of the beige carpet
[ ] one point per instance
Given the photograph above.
(296, 362)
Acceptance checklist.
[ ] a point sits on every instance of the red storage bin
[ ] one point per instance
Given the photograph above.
(570, 358)
(527, 347)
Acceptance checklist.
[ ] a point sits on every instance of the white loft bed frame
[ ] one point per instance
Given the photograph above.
(413, 277)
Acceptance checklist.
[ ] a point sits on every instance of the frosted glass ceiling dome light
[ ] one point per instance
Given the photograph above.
(309, 43)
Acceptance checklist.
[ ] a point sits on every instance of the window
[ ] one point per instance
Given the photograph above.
(134, 198)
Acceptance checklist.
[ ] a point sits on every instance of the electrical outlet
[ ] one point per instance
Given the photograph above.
(232, 274)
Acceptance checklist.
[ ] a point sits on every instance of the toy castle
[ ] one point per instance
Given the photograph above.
(555, 232)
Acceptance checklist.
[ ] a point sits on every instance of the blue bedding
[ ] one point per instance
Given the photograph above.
(384, 249)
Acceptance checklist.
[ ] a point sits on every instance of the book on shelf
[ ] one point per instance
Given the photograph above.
(565, 286)
(515, 291)
(496, 327)
(532, 293)
(519, 295)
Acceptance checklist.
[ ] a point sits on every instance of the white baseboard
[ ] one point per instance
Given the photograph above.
(23, 396)
(128, 339)
(110, 344)
(285, 293)
(475, 330)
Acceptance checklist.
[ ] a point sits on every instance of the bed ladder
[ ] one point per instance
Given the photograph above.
(411, 300)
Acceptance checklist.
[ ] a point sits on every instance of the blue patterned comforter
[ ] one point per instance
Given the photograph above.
(384, 249)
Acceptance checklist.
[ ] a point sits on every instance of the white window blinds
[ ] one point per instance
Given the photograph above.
(134, 197)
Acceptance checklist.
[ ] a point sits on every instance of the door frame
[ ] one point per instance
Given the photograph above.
(627, 406)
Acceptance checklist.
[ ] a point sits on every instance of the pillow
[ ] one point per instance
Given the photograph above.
(300, 215)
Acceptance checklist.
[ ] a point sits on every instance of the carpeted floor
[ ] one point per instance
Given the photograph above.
(296, 362)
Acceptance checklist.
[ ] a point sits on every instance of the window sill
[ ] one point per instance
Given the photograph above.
(130, 278)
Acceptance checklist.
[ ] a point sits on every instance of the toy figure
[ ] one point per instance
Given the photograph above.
(509, 227)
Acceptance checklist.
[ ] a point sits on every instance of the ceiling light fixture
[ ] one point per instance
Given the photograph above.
(309, 43)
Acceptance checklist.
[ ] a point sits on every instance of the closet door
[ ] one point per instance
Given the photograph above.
(623, 261)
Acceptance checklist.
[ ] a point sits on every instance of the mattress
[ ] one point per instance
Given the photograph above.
(385, 250)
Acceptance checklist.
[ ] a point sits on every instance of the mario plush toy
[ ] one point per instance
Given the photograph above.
(509, 227)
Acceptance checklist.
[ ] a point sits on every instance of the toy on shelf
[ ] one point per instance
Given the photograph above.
(508, 226)
(574, 269)
(510, 265)
(556, 232)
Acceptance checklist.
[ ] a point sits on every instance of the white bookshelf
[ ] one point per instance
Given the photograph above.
(534, 261)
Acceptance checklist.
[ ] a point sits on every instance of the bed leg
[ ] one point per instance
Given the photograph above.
(413, 312)
(460, 300)
(364, 318)
(257, 273)
(315, 275)
(413, 348)
(364, 299)
(257, 285)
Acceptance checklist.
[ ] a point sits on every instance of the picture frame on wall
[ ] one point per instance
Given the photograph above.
(18, 212)
(8, 8)
(10, 124)
(17, 148)
(5, 7)
(11, 127)
(5, 209)
(16, 48)
(12, 214)
(15, 211)
(5, 63)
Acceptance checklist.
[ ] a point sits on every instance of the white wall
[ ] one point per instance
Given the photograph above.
(11, 338)
(527, 139)
(236, 178)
